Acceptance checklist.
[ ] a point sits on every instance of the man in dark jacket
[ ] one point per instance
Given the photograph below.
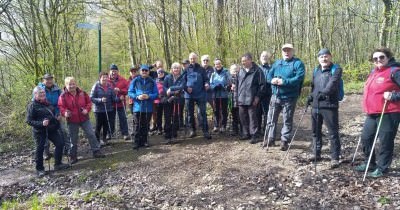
(265, 65)
(250, 89)
(196, 83)
(324, 99)
(286, 78)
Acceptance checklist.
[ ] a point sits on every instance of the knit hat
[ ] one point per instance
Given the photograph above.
(324, 51)
(113, 67)
(145, 67)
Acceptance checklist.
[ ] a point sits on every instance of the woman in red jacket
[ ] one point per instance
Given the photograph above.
(381, 92)
(75, 106)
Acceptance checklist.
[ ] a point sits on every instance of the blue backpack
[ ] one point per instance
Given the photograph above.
(341, 83)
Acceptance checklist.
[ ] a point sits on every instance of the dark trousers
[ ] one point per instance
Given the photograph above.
(235, 120)
(111, 120)
(386, 136)
(161, 109)
(172, 119)
(220, 112)
(123, 122)
(263, 116)
(40, 139)
(210, 101)
(248, 118)
(101, 124)
(331, 119)
(201, 103)
(142, 127)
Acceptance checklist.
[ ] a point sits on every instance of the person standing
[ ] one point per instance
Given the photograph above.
(250, 89)
(219, 82)
(286, 77)
(45, 125)
(324, 99)
(236, 124)
(265, 65)
(120, 86)
(162, 100)
(75, 106)
(381, 88)
(103, 97)
(196, 83)
(175, 102)
(143, 90)
(205, 63)
(158, 66)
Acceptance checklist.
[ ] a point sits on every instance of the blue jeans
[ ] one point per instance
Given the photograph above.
(89, 133)
(201, 103)
(287, 107)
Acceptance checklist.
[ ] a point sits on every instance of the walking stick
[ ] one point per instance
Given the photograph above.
(294, 134)
(108, 119)
(355, 152)
(47, 138)
(376, 137)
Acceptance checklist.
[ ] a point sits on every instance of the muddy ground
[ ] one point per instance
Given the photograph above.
(223, 173)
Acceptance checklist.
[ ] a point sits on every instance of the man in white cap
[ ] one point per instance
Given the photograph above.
(286, 78)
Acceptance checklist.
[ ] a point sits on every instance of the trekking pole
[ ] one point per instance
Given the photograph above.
(47, 139)
(355, 152)
(268, 126)
(124, 106)
(116, 121)
(376, 137)
(108, 119)
(316, 139)
(294, 134)
(220, 114)
(230, 114)
(179, 116)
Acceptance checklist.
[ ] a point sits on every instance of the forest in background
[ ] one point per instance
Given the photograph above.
(39, 36)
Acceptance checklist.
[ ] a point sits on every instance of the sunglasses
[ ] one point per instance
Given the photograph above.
(375, 59)
(144, 70)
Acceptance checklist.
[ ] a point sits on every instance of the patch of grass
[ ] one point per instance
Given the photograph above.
(9, 205)
(384, 200)
(354, 87)
(109, 197)
(54, 200)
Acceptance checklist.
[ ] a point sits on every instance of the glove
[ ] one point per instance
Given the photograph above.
(321, 96)
(309, 100)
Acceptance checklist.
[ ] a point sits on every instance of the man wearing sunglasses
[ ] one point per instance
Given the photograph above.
(196, 83)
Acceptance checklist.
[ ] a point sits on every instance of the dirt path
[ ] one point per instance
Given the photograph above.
(224, 173)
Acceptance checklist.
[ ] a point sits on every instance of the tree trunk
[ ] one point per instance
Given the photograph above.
(383, 33)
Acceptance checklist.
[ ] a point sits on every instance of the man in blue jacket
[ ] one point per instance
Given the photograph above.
(286, 78)
(196, 83)
(143, 90)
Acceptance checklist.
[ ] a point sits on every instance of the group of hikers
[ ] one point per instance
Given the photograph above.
(251, 95)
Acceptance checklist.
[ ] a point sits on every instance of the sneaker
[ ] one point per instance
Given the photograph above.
(192, 134)
(222, 130)
(363, 166)
(334, 164)
(61, 166)
(135, 145)
(98, 154)
(41, 173)
(215, 129)
(48, 156)
(376, 173)
(126, 137)
(207, 136)
(284, 146)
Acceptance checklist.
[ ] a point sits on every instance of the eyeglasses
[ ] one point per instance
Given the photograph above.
(375, 59)
(144, 70)
(206, 60)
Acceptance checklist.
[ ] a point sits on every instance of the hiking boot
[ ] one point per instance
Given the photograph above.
(334, 164)
(154, 128)
(376, 173)
(47, 156)
(126, 137)
(146, 144)
(135, 145)
(271, 143)
(363, 166)
(61, 166)
(222, 130)
(254, 140)
(207, 136)
(244, 137)
(215, 129)
(73, 159)
(102, 143)
(284, 145)
(159, 133)
(192, 134)
(108, 137)
(98, 154)
(41, 173)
